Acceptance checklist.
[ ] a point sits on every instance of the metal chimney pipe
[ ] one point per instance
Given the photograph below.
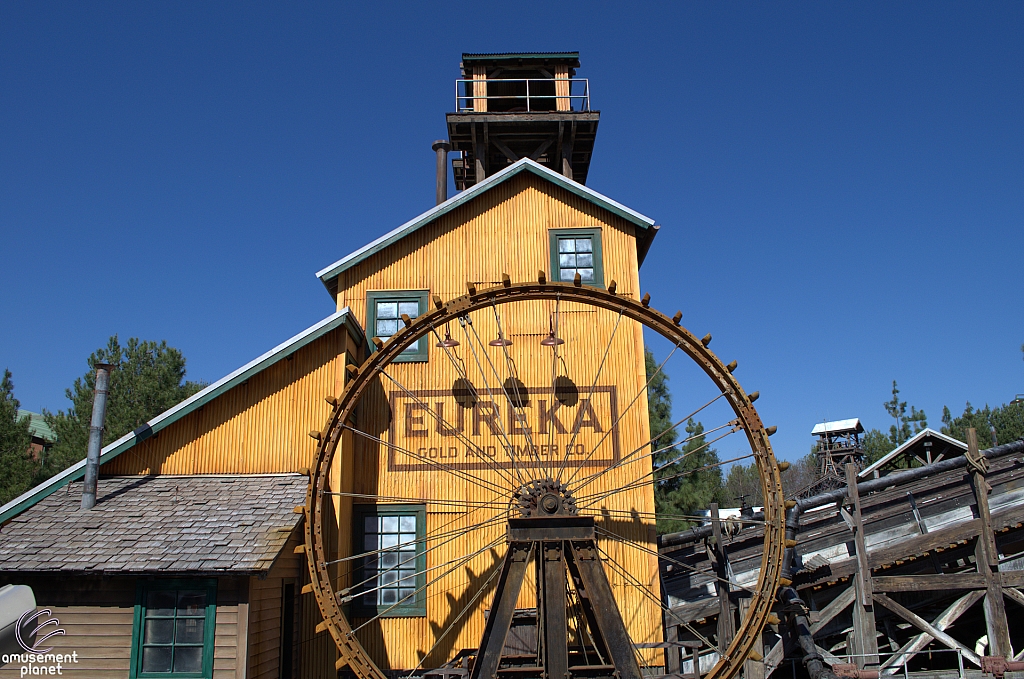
(442, 147)
(99, 414)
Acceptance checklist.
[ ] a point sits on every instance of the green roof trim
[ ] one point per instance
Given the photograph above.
(331, 272)
(37, 426)
(278, 353)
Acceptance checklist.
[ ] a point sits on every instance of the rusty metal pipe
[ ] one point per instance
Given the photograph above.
(441, 148)
(99, 415)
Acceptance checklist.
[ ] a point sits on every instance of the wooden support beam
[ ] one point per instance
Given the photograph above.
(673, 661)
(925, 626)
(834, 608)
(509, 153)
(864, 632)
(986, 554)
(941, 623)
(752, 669)
(539, 151)
(726, 624)
(1014, 595)
(917, 583)
(774, 657)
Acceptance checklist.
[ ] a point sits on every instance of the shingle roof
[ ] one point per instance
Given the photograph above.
(202, 524)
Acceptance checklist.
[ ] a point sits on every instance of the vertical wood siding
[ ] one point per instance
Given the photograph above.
(505, 230)
(257, 427)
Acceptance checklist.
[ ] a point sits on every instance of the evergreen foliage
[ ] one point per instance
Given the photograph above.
(16, 464)
(906, 425)
(147, 379)
(1007, 419)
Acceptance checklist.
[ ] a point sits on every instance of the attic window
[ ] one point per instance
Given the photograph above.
(384, 310)
(577, 251)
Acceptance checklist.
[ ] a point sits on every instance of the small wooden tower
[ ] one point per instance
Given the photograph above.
(838, 444)
(521, 105)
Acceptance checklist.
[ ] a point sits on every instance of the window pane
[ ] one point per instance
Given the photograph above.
(408, 592)
(586, 274)
(387, 309)
(585, 260)
(411, 309)
(414, 347)
(189, 631)
(389, 577)
(408, 524)
(156, 659)
(188, 659)
(566, 261)
(370, 544)
(369, 525)
(386, 328)
(191, 602)
(583, 245)
(160, 602)
(566, 274)
(388, 540)
(566, 245)
(159, 631)
(389, 559)
(388, 596)
(389, 524)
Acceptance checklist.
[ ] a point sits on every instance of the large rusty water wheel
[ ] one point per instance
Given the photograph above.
(533, 403)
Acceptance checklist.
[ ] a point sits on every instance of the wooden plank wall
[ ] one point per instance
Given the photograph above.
(504, 230)
(257, 427)
(98, 612)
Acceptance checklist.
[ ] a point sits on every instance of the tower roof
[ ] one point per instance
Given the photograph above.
(838, 426)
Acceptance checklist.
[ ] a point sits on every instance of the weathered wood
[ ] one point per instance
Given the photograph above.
(925, 626)
(918, 642)
(986, 554)
(242, 644)
(726, 623)
(864, 633)
(917, 583)
(834, 608)
(1014, 595)
(673, 661)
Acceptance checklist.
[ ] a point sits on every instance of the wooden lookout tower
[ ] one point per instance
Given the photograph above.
(838, 444)
(521, 105)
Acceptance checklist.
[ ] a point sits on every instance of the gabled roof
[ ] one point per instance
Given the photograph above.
(927, 432)
(326, 275)
(280, 352)
(37, 426)
(838, 426)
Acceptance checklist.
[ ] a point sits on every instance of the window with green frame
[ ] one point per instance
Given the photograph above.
(392, 572)
(384, 309)
(173, 631)
(577, 251)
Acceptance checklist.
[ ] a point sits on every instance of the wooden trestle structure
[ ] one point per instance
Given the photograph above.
(911, 572)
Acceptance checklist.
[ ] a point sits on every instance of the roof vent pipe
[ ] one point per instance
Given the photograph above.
(99, 414)
(442, 147)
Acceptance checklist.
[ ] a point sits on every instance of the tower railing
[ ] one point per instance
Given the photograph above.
(570, 94)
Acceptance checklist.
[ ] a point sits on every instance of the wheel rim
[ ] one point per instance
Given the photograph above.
(430, 325)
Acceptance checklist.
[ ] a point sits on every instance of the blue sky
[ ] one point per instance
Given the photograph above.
(841, 185)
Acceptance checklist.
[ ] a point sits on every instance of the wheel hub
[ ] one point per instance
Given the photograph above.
(545, 497)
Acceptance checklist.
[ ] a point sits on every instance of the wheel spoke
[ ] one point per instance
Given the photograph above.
(649, 442)
(446, 425)
(590, 398)
(454, 566)
(465, 321)
(475, 480)
(416, 500)
(619, 418)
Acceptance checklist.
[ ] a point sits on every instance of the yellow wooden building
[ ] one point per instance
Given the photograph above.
(204, 503)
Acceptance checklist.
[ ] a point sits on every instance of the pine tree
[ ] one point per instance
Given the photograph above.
(906, 425)
(147, 379)
(16, 464)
